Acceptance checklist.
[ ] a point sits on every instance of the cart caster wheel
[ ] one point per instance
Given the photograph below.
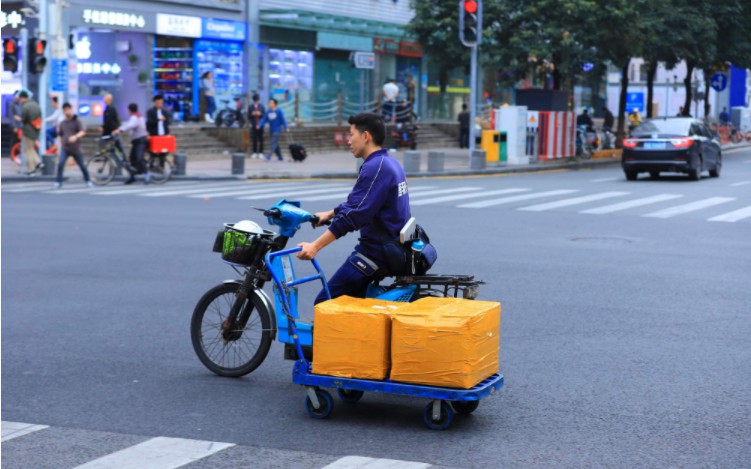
(326, 405)
(465, 407)
(444, 419)
(350, 396)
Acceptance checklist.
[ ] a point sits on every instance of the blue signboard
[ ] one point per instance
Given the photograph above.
(59, 75)
(719, 82)
(224, 29)
(635, 100)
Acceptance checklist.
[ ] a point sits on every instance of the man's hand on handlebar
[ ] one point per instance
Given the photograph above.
(322, 218)
(308, 252)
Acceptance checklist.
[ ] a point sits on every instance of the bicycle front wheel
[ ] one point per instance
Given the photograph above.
(160, 169)
(250, 340)
(101, 169)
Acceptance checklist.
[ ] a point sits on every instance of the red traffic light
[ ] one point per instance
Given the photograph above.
(470, 6)
(10, 46)
(40, 45)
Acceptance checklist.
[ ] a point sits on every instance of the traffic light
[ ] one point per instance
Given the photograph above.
(37, 60)
(10, 55)
(469, 22)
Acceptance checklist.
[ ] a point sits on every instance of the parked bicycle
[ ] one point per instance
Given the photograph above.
(15, 150)
(109, 161)
(230, 116)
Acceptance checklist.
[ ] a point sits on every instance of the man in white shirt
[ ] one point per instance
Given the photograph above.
(390, 92)
(53, 122)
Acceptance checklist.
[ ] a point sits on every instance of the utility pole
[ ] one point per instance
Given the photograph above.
(44, 76)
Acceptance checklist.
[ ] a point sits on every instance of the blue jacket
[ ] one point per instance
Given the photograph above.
(379, 193)
(275, 119)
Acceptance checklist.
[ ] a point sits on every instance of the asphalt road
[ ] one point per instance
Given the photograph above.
(625, 331)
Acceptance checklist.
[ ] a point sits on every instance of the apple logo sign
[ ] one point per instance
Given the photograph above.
(83, 48)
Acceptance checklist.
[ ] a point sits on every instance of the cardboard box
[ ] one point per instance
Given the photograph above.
(352, 337)
(447, 342)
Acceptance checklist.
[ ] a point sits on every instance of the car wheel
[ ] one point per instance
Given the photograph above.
(631, 175)
(715, 172)
(694, 173)
(654, 174)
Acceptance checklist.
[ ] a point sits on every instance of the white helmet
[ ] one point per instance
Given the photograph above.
(248, 226)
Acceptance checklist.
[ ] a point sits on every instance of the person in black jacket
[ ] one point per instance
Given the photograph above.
(256, 111)
(157, 118)
(111, 121)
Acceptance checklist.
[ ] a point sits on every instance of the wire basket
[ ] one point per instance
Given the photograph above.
(238, 247)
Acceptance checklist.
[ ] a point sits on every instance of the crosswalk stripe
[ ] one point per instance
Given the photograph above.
(444, 191)
(157, 453)
(39, 187)
(151, 188)
(355, 462)
(691, 207)
(733, 216)
(343, 195)
(742, 183)
(448, 198)
(517, 198)
(632, 204)
(573, 201)
(604, 180)
(12, 430)
(204, 191)
(292, 195)
(258, 189)
(117, 187)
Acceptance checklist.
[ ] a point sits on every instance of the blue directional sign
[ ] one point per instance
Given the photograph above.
(635, 100)
(59, 75)
(719, 82)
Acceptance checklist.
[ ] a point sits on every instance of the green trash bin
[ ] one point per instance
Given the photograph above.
(503, 144)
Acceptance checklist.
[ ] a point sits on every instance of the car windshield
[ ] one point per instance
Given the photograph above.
(664, 126)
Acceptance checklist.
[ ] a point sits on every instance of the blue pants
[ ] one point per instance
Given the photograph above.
(61, 164)
(275, 148)
(51, 135)
(349, 280)
(210, 105)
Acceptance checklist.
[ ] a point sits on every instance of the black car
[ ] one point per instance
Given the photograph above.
(671, 144)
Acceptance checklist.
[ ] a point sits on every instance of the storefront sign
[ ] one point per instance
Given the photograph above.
(224, 29)
(98, 68)
(113, 18)
(365, 60)
(14, 19)
(410, 49)
(178, 25)
(385, 46)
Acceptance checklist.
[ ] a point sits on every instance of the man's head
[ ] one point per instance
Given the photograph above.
(133, 108)
(585, 111)
(366, 134)
(256, 98)
(272, 103)
(108, 99)
(54, 102)
(158, 101)
(68, 110)
(23, 96)
(464, 107)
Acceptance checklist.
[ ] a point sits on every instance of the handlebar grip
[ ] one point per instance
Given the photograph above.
(315, 221)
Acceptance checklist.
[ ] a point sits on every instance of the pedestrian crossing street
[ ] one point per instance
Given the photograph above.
(588, 201)
(83, 449)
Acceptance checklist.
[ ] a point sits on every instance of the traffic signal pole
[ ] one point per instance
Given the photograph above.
(470, 34)
(472, 98)
(43, 77)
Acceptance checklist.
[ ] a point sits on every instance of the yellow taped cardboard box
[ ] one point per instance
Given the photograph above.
(449, 342)
(352, 337)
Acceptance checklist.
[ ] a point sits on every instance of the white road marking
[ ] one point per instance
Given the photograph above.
(692, 207)
(631, 204)
(357, 462)
(118, 187)
(290, 195)
(142, 188)
(574, 201)
(158, 453)
(604, 180)
(207, 192)
(742, 183)
(517, 198)
(259, 189)
(343, 195)
(448, 198)
(733, 216)
(12, 430)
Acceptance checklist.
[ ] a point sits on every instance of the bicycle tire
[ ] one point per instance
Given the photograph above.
(160, 169)
(101, 169)
(15, 154)
(207, 338)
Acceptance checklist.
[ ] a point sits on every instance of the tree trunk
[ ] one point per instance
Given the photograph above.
(443, 77)
(622, 102)
(707, 78)
(556, 79)
(651, 72)
(687, 83)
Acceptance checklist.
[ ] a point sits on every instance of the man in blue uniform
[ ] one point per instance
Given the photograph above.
(377, 206)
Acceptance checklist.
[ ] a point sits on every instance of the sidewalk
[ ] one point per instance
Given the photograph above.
(329, 166)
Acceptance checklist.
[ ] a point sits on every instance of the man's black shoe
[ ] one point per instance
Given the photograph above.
(131, 180)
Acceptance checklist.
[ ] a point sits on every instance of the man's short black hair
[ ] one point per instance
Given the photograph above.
(464, 106)
(23, 94)
(274, 99)
(157, 97)
(372, 123)
(66, 106)
(54, 99)
(133, 107)
(256, 97)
